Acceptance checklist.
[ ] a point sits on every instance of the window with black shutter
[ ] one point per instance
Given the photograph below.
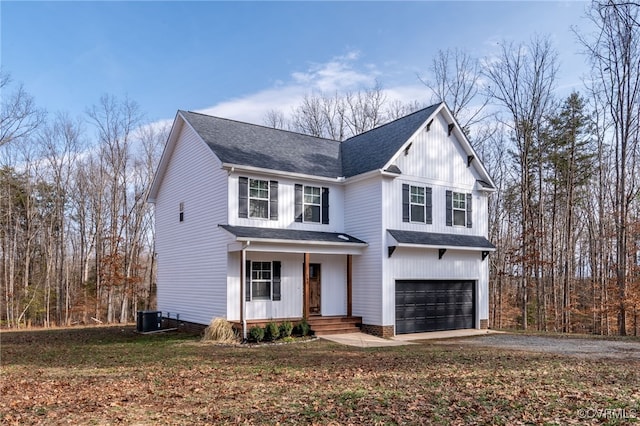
(263, 281)
(416, 204)
(257, 198)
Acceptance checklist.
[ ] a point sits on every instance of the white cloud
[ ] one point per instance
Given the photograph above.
(340, 74)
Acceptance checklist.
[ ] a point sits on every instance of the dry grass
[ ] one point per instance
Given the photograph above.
(111, 375)
(220, 331)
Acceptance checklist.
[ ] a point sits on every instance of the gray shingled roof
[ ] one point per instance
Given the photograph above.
(290, 234)
(235, 142)
(247, 144)
(373, 149)
(443, 240)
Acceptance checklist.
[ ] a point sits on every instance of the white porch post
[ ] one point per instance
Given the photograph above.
(243, 299)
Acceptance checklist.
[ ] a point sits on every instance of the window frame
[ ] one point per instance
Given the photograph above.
(306, 204)
(412, 204)
(251, 198)
(461, 207)
(258, 281)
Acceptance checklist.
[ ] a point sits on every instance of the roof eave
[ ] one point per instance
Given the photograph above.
(300, 242)
(261, 170)
(447, 247)
(169, 147)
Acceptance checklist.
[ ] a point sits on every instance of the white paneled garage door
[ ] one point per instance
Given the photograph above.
(428, 305)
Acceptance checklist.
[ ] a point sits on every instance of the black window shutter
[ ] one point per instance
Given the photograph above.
(449, 207)
(405, 202)
(273, 200)
(243, 197)
(276, 280)
(298, 203)
(429, 205)
(325, 206)
(247, 281)
(469, 221)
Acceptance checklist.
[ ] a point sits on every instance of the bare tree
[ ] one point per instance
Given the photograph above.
(116, 122)
(275, 118)
(615, 61)
(522, 79)
(18, 113)
(364, 109)
(455, 80)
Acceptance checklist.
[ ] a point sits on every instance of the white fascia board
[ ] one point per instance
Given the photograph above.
(481, 188)
(260, 170)
(311, 242)
(287, 246)
(169, 147)
(364, 176)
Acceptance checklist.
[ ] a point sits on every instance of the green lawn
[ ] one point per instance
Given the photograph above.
(109, 375)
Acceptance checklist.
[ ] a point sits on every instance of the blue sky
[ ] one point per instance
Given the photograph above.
(239, 59)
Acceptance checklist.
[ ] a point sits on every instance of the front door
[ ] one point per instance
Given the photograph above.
(314, 288)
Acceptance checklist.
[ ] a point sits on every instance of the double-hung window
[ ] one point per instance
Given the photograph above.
(259, 198)
(416, 204)
(459, 209)
(262, 280)
(312, 204)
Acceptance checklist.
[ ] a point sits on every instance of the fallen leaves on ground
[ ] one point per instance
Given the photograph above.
(110, 375)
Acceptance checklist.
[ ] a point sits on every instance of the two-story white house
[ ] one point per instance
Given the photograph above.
(389, 227)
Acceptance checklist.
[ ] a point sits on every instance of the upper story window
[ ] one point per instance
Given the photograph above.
(416, 204)
(181, 212)
(311, 204)
(257, 198)
(458, 209)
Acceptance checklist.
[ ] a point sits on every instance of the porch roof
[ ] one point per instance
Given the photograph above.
(294, 240)
(441, 241)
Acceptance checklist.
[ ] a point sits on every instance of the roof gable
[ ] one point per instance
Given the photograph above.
(372, 150)
(245, 144)
(237, 143)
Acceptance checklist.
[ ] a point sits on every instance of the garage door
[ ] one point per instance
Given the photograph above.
(434, 305)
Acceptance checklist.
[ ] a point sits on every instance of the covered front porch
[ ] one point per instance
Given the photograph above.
(291, 275)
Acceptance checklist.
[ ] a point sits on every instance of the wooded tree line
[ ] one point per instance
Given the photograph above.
(566, 213)
(76, 234)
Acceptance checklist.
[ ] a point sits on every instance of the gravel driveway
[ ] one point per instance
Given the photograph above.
(579, 347)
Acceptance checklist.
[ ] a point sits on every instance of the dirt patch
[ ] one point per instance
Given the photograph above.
(579, 347)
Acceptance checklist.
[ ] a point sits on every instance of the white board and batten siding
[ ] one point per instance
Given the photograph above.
(332, 294)
(411, 263)
(437, 160)
(364, 205)
(192, 269)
